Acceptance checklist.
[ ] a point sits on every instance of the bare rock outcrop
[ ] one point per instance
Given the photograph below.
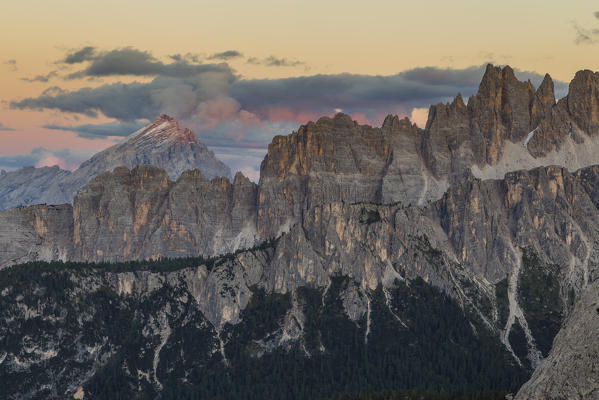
(571, 369)
(140, 213)
(36, 233)
(336, 159)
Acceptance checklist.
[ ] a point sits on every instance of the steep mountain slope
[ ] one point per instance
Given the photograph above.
(36, 233)
(347, 280)
(224, 329)
(495, 246)
(370, 224)
(506, 126)
(570, 371)
(24, 186)
(135, 214)
(161, 143)
(140, 214)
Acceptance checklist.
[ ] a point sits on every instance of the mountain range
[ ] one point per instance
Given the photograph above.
(161, 143)
(356, 241)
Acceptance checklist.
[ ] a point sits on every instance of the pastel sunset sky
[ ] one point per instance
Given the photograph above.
(78, 76)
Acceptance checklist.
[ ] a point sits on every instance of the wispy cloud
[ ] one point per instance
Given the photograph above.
(131, 61)
(83, 54)
(41, 78)
(5, 128)
(225, 55)
(42, 157)
(12, 64)
(273, 61)
(187, 57)
(101, 131)
(586, 36)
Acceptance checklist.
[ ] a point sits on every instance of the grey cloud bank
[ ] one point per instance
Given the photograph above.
(228, 111)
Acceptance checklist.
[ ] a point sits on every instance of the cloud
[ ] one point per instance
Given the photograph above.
(131, 61)
(585, 36)
(419, 116)
(187, 57)
(5, 128)
(226, 55)
(87, 53)
(12, 64)
(41, 157)
(41, 78)
(176, 96)
(227, 111)
(211, 97)
(273, 61)
(101, 131)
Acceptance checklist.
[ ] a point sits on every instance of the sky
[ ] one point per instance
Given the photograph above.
(78, 76)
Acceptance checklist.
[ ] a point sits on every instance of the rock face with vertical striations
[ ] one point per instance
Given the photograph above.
(335, 159)
(161, 143)
(488, 204)
(140, 213)
(571, 369)
(36, 233)
(513, 255)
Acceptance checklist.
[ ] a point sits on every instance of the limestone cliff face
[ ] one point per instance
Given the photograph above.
(550, 209)
(140, 213)
(488, 244)
(506, 126)
(338, 160)
(36, 233)
(570, 371)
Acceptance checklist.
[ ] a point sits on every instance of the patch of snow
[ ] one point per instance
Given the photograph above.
(529, 137)
(165, 332)
(388, 302)
(368, 321)
(222, 350)
(515, 157)
(515, 311)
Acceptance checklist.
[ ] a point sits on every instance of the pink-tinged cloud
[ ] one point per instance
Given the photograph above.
(214, 112)
(51, 161)
(287, 114)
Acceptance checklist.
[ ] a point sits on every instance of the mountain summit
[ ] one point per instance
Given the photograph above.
(164, 130)
(161, 143)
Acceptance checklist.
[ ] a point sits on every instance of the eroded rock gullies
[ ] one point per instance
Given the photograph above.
(570, 371)
(140, 213)
(506, 126)
(36, 233)
(336, 159)
(536, 229)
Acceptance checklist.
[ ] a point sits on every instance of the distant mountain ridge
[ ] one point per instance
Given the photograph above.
(495, 204)
(161, 143)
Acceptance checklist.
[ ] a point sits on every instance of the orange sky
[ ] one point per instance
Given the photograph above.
(378, 37)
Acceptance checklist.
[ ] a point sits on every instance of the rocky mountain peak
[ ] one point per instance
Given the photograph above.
(394, 124)
(543, 102)
(583, 101)
(165, 128)
(497, 82)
